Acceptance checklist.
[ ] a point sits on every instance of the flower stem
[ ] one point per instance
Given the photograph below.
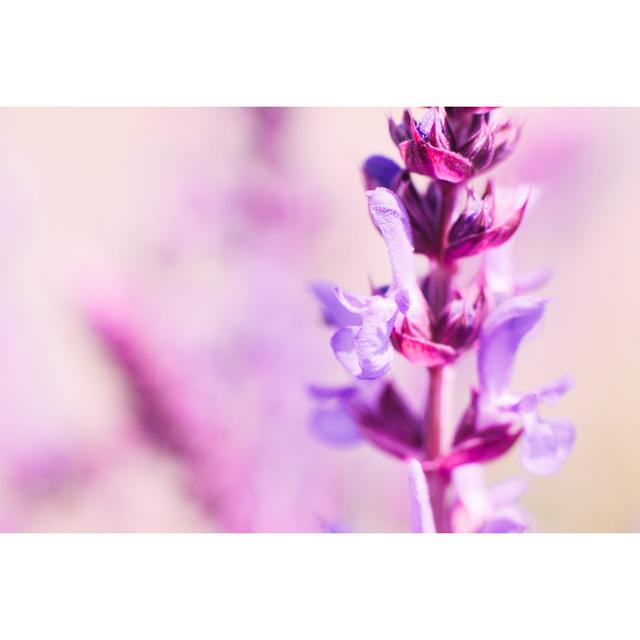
(439, 295)
(433, 420)
(433, 445)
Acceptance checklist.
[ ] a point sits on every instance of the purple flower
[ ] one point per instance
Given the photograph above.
(454, 149)
(472, 444)
(362, 343)
(546, 443)
(485, 222)
(479, 227)
(364, 348)
(414, 340)
(431, 321)
(373, 412)
(459, 323)
(433, 339)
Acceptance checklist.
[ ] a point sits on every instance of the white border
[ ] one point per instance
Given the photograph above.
(319, 586)
(197, 52)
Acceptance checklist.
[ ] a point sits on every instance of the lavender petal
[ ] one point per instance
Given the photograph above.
(335, 427)
(391, 219)
(421, 514)
(500, 338)
(546, 444)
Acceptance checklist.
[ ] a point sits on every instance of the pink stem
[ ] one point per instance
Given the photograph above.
(433, 447)
(440, 294)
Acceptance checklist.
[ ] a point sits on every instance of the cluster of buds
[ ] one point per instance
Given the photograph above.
(432, 319)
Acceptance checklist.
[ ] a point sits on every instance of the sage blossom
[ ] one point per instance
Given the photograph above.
(432, 318)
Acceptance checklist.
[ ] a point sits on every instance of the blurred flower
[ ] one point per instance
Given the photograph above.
(546, 442)
(499, 279)
(373, 412)
(478, 509)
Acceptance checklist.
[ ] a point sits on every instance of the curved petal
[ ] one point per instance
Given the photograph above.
(550, 394)
(352, 303)
(391, 219)
(489, 444)
(546, 444)
(421, 513)
(373, 344)
(335, 427)
(334, 311)
(365, 350)
(343, 343)
(389, 423)
(421, 352)
(501, 334)
(449, 166)
(379, 171)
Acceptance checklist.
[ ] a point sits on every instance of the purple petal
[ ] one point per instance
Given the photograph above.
(331, 393)
(423, 213)
(546, 444)
(334, 312)
(416, 348)
(365, 351)
(390, 425)
(401, 131)
(553, 392)
(505, 523)
(379, 171)
(491, 238)
(501, 334)
(487, 445)
(352, 303)
(416, 158)
(421, 513)
(391, 219)
(343, 344)
(449, 166)
(335, 427)
(549, 394)
(373, 344)
(428, 160)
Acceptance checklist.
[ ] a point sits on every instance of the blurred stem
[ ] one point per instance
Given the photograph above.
(433, 445)
(433, 426)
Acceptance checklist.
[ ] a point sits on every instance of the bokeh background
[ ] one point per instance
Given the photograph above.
(158, 333)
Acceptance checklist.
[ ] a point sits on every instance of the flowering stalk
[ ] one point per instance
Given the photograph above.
(433, 319)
